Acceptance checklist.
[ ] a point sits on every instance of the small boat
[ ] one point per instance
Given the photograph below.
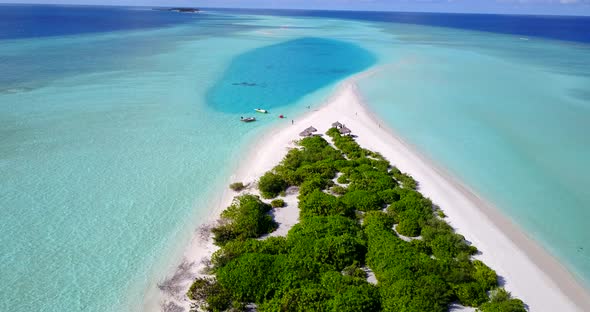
(260, 110)
(247, 119)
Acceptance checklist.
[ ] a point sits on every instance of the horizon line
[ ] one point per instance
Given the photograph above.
(297, 9)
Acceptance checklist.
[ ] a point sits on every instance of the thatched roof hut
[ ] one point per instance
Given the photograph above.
(305, 133)
(311, 129)
(337, 125)
(344, 130)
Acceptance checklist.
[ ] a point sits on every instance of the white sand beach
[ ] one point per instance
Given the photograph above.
(527, 270)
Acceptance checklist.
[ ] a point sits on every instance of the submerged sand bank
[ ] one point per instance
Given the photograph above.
(528, 271)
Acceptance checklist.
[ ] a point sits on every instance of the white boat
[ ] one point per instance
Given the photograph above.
(247, 119)
(260, 110)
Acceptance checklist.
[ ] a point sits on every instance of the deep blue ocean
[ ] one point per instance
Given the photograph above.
(569, 28)
(25, 21)
(119, 126)
(31, 21)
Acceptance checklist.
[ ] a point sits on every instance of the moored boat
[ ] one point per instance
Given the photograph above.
(260, 110)
(247, 119)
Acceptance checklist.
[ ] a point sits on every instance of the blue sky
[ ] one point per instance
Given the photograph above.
(569, 7)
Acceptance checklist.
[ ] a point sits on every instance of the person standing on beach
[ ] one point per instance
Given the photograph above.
(292, 121)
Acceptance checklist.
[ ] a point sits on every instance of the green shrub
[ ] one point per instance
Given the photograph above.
(236, 248)
(335, 241)
(501, 301)
(312, 298)
(350, 293)
(421, 246)
(379, 220)
(368, 179)
(363, 297)
(412, 200)
(339, 190)
(347, 145)
(389, 196)
(246, 218)
(485, 276)
(321, 226)
(333, 132)
(343, 179)
(323, 169)
(316, 149)
(470, 294)
(434, 227)
(209, 294)
(362, 200)
(312, 184)
(354, 270)
(409, 223)
(426, 293)
(406, 180)
(249, 277)
(336, 252)
(408, 227)
(270, 185)
(237, 186)
(319, 203)
(456, 271)
(381, 165)
(447, 245)
(277, 203)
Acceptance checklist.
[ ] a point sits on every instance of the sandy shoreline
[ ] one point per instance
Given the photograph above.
(527, 270)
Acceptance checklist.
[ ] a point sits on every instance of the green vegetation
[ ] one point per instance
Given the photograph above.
(319, 265)
(338, 190)
(246, 218)
(318, 203)
(501, 301)
(237, 186)
(277, 203)
(362, 200)
(271, 185)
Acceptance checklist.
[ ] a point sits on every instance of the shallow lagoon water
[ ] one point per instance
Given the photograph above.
(113, 143)
(108, 165)
(507, 116)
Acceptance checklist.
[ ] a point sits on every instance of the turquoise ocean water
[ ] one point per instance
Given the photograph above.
(509, 116)
(113, 143)
(108, 165)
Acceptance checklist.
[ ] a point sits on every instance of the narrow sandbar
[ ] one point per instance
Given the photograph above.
(526, 269)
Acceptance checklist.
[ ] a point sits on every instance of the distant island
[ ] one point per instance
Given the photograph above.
(181, 10)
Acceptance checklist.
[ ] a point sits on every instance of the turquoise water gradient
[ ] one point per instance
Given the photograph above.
(114, 145)
(110, 164)
(508, 116)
